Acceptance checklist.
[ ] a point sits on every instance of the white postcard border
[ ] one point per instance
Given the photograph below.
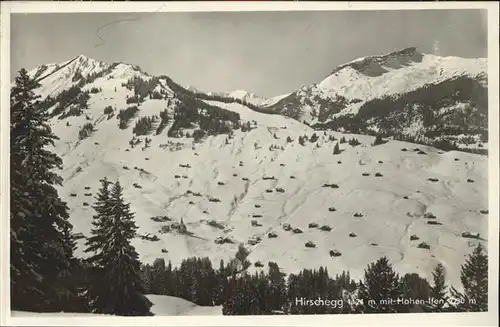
(430, 319)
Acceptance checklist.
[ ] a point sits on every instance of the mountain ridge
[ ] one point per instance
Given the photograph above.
(410, 53)
(336, 101)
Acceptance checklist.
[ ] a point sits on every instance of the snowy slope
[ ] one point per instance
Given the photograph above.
(383, 93)
(392, 76)
(247, 97)
(162, 306)
(273, 100)
(398, 72)
(241, 162)
(454, 201)
(29, 314)
(273, 121)
(171, 306)
(55, 78)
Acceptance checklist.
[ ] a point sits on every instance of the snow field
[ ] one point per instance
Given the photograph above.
(388, 221)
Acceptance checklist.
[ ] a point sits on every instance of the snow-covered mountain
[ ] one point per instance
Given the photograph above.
(235, 175)
(244, 96)
(401, 93)
(61, 76)
(247, 97)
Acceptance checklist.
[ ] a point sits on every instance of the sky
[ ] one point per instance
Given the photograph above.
(267, 53)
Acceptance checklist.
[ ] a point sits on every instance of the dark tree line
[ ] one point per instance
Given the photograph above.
(144, 125)
(133, 99)
(225, 99)
(354, 124)
(90, 78)
(77, 108)
(74, 96)
(328, 107)
(242, 293)
(198, 134)
(441, 144)
(86, 130)
(142, 88)
(190, 111)
(323, 108)
(108, 110)
(431, 98)
(164, 119)
(211, 119)
(354, 142)
(126, 115)
(392, 113)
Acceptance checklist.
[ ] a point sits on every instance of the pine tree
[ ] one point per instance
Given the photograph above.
(276, 288)
(378, 140)
(314, 138)
(69, 283)
(242, 255)
(381, 283)
(158, 277)
(38, 217)
(438, 292)
(208, 282)
(194, 291)
(102, 223)
(474, 278)
(416, 288)
(115, 285)
(354, 142)
(147, 277)
(170, 281)
(222, 283)
(229, 307)
(336, 149)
